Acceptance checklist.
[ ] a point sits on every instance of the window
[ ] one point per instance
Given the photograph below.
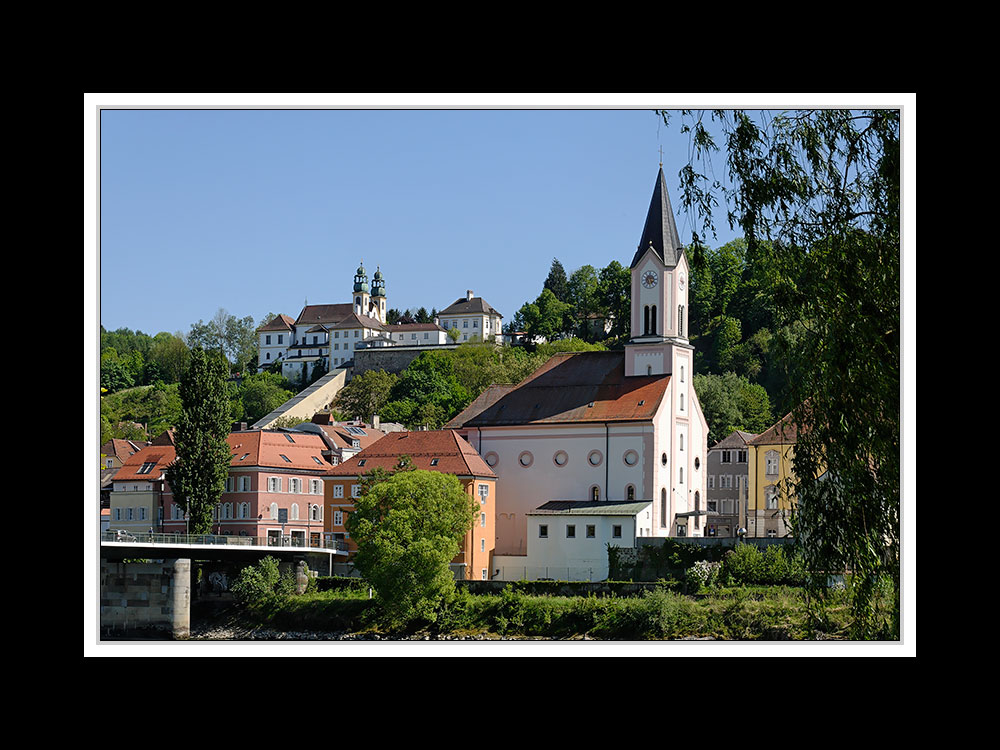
(244, 510)
(591, 531)
(630, 492)
(118, 513)
(525, 459)
(482, 545)
(315, 512)
(274, 511)
(560, 458)
(128, 515)
(361, 462)
(289, 438)
(711, 481)
(682, 373)
(726, 457)
(484, 492)
(682, 475)
(595, 458)
(230, 483)
(682, 402)
(571, 531)
(295, 486)
(274, 484)
(484, 573)
(741, 457)
(355, 490)
(315, 486)
(434, 462)
(616, 531)
(663, 508)
(286, 458)
(280, 339)
(771, 496)
(142, 513)
(146, 467)
(267, 340)
(771, 461)
(294, 514)
(631, 458)
(465, 324)
(482, 520)
(595, 493)
(338, 490)
(663, 459)
(771, 533)
(680, 439)
(543, 531)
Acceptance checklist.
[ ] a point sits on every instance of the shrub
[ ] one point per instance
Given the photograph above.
(701, 574)
(746, 564)
(262, 584)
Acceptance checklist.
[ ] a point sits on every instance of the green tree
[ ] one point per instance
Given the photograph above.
(556, 281)
(581, 293)
(197, 476)
(731, 402)
(614, 292)
(816, 193)
(545, 316)
(408, 528)
(262, 393)
(367, 394)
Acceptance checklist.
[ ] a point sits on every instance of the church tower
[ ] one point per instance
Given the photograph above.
(659, 337)
(361, 295)
(378, 296)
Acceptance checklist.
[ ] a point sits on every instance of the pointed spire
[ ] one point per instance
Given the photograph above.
(660, 231)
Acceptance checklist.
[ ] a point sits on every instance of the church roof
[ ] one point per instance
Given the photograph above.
(589, 508)
(660, 231)
(483, 401)
(280, 322)
(577, 387)
(312, 314)
(353, 320)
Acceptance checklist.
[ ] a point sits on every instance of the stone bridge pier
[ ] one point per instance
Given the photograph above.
(145, 596)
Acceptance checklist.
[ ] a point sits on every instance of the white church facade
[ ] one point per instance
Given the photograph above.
(598, 448)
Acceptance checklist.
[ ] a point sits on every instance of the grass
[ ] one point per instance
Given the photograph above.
(759, 613)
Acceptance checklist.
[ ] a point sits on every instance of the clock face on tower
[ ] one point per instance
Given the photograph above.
(680, 281)
(649, 279)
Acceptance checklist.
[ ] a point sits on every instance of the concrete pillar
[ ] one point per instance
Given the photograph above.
(180, 594)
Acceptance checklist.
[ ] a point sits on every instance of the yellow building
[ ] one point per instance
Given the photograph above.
(770, 477)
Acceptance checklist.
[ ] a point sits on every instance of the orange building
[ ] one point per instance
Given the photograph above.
(435, 450)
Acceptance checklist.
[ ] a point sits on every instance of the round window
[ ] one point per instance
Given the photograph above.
(595, 458)
(526, 459)
(631, 458)
(560, 458)
(492, 458)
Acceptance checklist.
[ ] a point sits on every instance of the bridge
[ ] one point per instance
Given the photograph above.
(124, 545)
(147, 578)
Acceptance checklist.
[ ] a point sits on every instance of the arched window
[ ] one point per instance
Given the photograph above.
(680, 320)
(697, 507)
(595, 493)
(294, 515)
(314, 512)
(274, 511)
(663, 508)
(630, 492)
(652, 320)
(649, 369)
(645, 320)
(682, 402)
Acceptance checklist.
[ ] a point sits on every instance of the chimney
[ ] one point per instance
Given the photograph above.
(239, 427)
(468, 294)
(376, 421)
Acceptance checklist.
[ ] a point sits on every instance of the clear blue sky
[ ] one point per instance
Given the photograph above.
(259, 211)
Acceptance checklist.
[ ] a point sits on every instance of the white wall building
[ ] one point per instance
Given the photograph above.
(604, 427)
(472, 317)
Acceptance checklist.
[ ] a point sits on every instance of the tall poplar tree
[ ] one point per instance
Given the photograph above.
(197, 477)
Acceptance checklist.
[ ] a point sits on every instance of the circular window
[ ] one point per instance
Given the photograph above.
(663, 459)
(526, 459)
(595, 458)
(492, 458)
(560, 458)
(631, 458)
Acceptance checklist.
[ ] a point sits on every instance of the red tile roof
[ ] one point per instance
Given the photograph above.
(449, 451)
(577, 387)
(312, 314)
(279, 323)
(265, 448)
(160, 456)
(783, 432)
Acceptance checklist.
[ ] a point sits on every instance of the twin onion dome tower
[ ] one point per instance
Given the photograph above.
(370, 302)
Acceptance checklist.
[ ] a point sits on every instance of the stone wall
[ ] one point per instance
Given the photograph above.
(137, 597)
(391, 358)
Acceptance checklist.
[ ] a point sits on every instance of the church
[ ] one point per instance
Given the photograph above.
(599, 448)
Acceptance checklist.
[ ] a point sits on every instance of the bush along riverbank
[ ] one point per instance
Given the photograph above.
(748, 595)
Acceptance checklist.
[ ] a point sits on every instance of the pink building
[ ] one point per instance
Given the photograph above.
(274, 490)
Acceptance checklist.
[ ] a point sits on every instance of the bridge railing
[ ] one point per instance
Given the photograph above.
(141, 537)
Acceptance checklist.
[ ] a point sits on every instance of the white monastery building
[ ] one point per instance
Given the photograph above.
(598, 448)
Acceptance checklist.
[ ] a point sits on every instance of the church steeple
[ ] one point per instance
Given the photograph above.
(660, 231)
